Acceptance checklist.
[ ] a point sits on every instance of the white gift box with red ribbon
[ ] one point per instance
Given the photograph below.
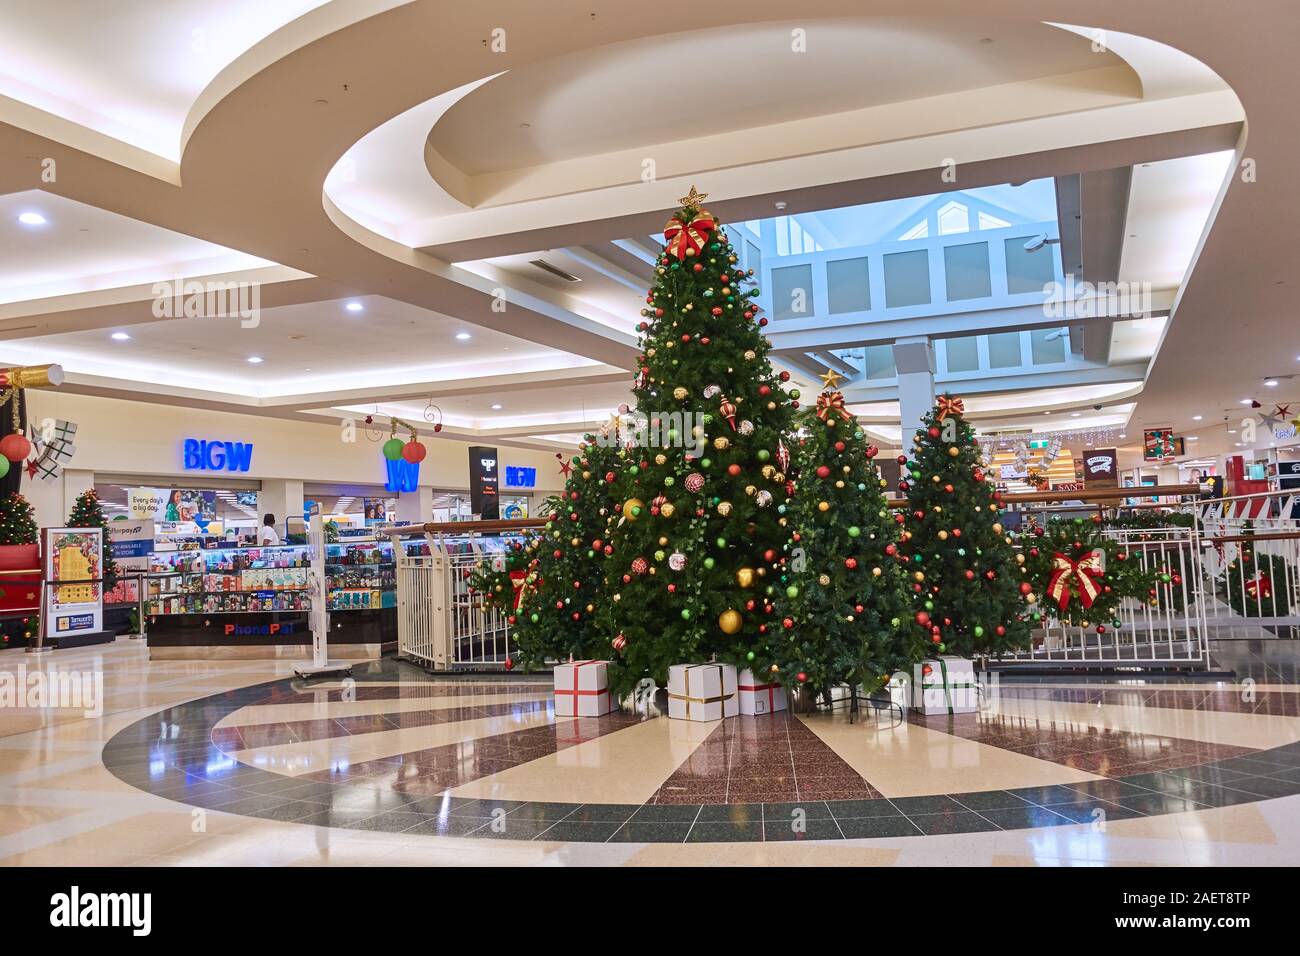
(702, 691)
(757, 697)
(582, 689)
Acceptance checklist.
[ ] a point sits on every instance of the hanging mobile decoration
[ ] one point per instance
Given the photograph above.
(15, 447)
(433, 414)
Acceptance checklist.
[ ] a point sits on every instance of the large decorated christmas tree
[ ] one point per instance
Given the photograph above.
(17, 520)
(849, 617)
(88, 513)
(970, 587)
(699, 541)
(559, 617)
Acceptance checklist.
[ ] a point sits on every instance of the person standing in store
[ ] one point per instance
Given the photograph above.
(268, 536)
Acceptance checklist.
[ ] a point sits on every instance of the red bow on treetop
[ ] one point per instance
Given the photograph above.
(682, 238)
(1085, 573)
(950, 406)
(833, 403)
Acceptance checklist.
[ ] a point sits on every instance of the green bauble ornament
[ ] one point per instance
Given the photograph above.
(764, 454)
(686, 614)
(979, 631)
(708, 563)
(706, 462)
(854, 531)
(749, 655)
(393, 449)
(792, 592)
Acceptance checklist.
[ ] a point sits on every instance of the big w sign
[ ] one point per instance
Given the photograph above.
(403, 475)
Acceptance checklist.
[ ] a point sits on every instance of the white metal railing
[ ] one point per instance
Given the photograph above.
(440, 624)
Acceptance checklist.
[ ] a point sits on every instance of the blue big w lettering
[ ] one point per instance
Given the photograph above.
(202, 455)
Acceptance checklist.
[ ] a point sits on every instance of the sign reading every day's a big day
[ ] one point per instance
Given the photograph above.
(200, 454)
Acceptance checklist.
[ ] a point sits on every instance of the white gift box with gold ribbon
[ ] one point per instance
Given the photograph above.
(582, 689)
(758, 696)
(702, 691)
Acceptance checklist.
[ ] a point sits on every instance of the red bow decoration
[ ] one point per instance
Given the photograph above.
(682, 238)
(1084, 573)
(832, 404)
(1260, 589)
(518, 579)
(950, 406)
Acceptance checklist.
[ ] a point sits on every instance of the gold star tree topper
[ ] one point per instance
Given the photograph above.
(693, 200)
(831, 380)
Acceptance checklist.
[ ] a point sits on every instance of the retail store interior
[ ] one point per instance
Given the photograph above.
(679, 436)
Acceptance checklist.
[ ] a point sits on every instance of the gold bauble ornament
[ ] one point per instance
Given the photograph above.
(730, 621)
(680, 393)
(724, 508)
(824, 579)
(667, 509)
(745, 577)
(954, 450)
(767, 471)
(823, 506)
(943, 535)
(631, 506)
(997, 528)
(661, 459)
(750, 490)
(721, 443)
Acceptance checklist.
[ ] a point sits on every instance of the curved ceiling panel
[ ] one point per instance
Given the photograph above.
(628, 95)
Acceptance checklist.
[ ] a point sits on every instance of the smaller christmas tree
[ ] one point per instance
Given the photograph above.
(561, 619)
(1257, 585)
(17, 520)
(501, 580)
(848, 612)
(970, 589)
(88, 513)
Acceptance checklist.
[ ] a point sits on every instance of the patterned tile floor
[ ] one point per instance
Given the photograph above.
(201, 764)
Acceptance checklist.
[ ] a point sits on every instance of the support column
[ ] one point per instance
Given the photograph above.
(415, 507)
(281, 497)
(914, 360)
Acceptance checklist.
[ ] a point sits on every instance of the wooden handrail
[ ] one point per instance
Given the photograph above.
(1095, 496)
(1269, 536)
(466, 527)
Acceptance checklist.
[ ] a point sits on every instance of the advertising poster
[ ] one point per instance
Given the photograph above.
(376, 510)
(1158, 444)
(73, 555)
(130, 543)
(172, 504)
(483, 478)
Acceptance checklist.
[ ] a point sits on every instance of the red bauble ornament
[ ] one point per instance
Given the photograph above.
(787, 623)
(733, 470)
(414, 452)
(922, 618)
(839, 446)
(823, 471)
(933, 432)
(509, 664)
(15, 447)
(619, 642)
(850, 563)
(1025, 587)
(801, 677)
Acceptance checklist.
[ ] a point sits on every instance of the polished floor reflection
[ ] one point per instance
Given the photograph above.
(195, 764)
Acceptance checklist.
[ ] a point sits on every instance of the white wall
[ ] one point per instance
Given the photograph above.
(121, 437)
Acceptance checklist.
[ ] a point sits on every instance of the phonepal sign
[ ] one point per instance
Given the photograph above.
(203, 455)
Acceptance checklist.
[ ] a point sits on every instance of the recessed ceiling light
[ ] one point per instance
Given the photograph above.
(31, 219)
(1074, 414)
(355, 307)
(1196, 418)
(1193, 437)
(255, 359)
(1122, 435)
(496, 408)
(1271, 382)
(1047, 413)
(120, 336)
(462, 336)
